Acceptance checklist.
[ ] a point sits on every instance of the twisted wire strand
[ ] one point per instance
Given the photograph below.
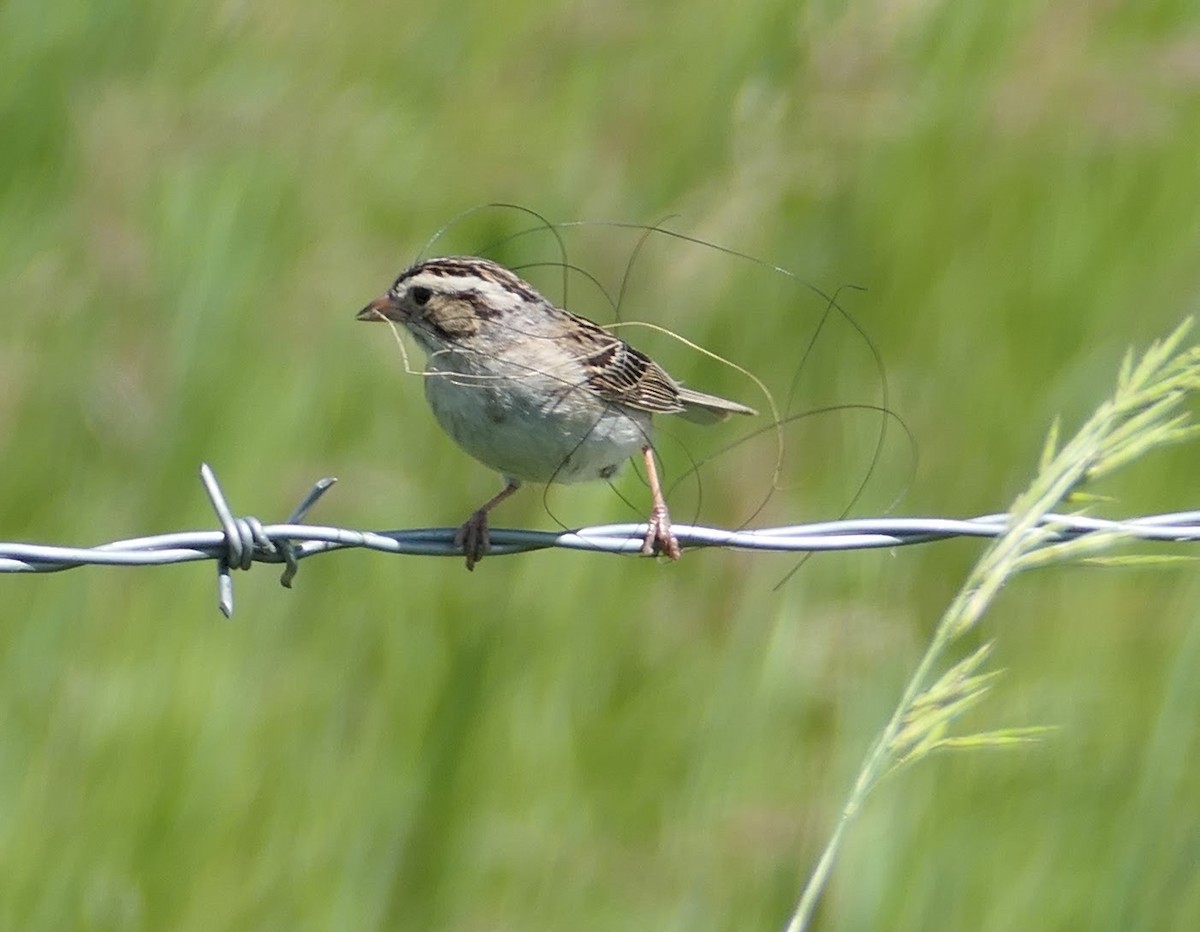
(242, 542)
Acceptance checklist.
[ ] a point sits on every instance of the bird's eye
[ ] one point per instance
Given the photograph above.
(420, 295)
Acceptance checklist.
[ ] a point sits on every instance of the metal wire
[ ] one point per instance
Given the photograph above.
(242, 542)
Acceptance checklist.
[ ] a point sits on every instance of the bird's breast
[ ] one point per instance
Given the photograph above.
(535, 429)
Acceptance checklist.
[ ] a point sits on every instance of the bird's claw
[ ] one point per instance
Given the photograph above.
(659, 536)
(473, 538)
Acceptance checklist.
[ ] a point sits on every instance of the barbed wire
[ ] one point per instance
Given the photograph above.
(242, 542)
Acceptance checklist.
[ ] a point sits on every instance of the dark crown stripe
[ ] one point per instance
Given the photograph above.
(471, 267)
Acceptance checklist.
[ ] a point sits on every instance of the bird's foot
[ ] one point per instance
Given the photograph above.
(659, 536)
(472, 538)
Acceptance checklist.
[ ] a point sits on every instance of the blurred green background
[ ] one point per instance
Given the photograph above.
(194, 201)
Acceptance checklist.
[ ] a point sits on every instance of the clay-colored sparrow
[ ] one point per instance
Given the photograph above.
(533, 391)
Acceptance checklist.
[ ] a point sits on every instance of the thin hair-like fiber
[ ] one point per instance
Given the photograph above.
(779, 418)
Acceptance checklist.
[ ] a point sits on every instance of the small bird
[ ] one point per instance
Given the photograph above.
(533, 391)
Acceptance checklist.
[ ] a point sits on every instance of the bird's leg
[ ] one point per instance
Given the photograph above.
(659, 531)
(472, 537)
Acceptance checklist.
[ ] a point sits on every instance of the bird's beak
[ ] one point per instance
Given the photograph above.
(382, 308)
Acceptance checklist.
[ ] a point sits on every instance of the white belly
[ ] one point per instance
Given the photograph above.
(536, 431)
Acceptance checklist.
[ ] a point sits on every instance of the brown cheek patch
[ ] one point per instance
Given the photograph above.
(453, 318)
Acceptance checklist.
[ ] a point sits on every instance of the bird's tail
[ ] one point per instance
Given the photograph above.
(701, 408)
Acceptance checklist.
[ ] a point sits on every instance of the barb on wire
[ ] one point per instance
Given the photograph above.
(247, 540)
(242, 542)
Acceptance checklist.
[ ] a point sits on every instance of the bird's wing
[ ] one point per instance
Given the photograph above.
(619, 373)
